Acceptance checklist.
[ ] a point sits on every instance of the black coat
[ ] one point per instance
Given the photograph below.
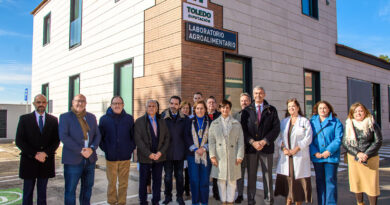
(30, 140)
(179, 128)
(143, 139)
(268, 128)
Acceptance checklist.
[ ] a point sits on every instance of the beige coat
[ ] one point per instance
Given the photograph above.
(226, 150)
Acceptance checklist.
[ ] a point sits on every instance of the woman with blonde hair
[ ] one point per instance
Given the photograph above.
(362, 140)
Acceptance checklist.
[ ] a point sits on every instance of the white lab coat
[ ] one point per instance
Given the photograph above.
(301, 135)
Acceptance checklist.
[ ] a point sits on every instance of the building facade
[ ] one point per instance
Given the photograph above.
(9, 119)
(142, 49)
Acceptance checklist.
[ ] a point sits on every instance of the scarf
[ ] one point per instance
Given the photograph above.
(366, 126)
(226, 126)
(200, 158)
(83, 123)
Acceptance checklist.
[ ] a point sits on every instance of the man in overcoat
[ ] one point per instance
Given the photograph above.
(37, 138)
(261, 126)
(152, 138)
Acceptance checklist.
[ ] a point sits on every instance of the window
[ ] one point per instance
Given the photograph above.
(366, 93)
(312, 91)
(74, 88)
(75, 23)
(310, 8)
(123, 83)
(45, 92)
(46, 29)
(237, 79)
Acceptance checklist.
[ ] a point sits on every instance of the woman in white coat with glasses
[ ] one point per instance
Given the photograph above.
(293, 170)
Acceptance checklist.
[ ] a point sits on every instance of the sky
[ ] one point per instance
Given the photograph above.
(362, 24)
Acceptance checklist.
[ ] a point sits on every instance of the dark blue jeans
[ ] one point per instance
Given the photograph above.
(72, 174)
(177, 167)
(199, 179)
(144, 172)
(326, 181)
(28, 191)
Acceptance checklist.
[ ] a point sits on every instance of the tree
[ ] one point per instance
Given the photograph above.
(386, 58)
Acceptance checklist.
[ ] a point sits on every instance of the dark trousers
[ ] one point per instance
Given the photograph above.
(84, 172)
(326, 181)
(28, 191)
(176, 167)
(240, 182)
(266, 162)
(144, 171)
(186, 181)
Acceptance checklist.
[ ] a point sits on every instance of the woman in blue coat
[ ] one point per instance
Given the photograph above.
(325, 151)
(199, 164)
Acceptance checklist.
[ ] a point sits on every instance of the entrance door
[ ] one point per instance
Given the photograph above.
(3, 123)
(237, 79)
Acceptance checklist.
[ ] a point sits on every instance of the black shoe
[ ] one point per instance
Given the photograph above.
(180, 201)
(239, 200)
(216, 197)
(167, 200)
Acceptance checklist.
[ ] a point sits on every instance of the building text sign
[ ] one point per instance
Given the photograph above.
(198, 2)
(198, 14)
(210, 36)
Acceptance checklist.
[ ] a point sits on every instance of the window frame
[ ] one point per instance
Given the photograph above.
(46, 27)
(313, 9)
(46, 92)
(71, 14)
(71, 89)
(116, 87)
(316, 86)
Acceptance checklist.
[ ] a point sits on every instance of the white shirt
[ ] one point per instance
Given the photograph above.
(225, 126)
(37, 118)
(261, 107)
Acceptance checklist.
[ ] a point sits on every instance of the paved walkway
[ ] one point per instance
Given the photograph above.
(11, 185)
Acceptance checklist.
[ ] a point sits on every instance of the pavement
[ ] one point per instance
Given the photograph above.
(11, 185)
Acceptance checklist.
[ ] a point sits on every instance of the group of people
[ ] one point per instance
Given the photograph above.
(211, 141)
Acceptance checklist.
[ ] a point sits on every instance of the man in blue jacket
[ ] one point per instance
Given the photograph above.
(117, 129)
(178, 126)
(80, 136)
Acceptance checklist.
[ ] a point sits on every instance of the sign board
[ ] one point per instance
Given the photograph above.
(198, 14)
(211, 36)
(25, 94)
(199, 2)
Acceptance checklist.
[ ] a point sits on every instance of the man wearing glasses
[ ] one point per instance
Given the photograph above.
(80, 136)
(117, 130)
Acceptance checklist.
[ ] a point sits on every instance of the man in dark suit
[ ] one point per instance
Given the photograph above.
(37, 138)
(152, 139)
(245, 100)
(213, 114)
(80, 135)
(178, 126)
(261, 126)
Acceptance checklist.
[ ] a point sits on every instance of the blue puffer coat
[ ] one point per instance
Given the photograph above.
(117, 132)
(329, 138)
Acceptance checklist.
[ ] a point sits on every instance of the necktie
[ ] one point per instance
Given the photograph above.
(40, 123)
(154, 127)
(258, 113)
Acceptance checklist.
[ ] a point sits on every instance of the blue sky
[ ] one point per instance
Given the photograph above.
(362, 24)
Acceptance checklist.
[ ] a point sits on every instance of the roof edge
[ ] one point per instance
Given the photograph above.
(354, 54)
(39, 7)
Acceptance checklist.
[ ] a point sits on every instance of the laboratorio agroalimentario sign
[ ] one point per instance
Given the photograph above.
(210, 36)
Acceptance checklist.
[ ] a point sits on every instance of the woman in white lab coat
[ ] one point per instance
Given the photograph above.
(293, 170)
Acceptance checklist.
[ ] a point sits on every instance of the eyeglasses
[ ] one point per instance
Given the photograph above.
(80, 101)
(115, 104)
